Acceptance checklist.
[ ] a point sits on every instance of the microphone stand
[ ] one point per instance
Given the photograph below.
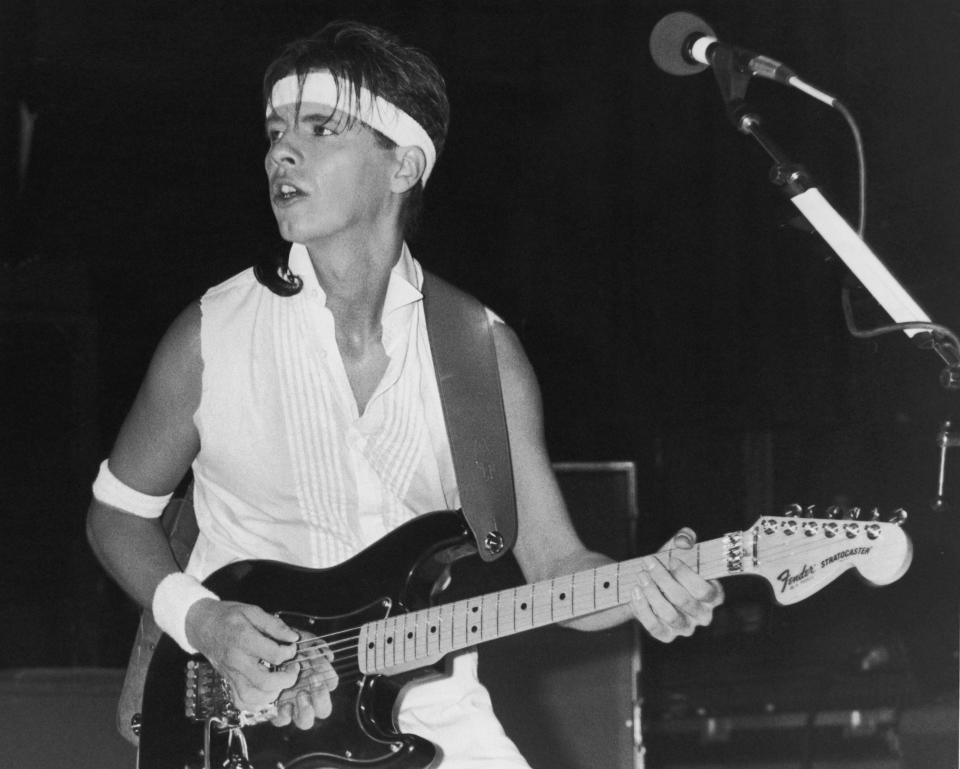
(733, 78)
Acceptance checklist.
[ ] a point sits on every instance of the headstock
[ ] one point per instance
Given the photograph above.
(799, 554)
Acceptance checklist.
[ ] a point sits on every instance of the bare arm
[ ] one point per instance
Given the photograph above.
(669, 600)
(153, 451)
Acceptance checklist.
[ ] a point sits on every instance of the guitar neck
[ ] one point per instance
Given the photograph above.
(410, 640)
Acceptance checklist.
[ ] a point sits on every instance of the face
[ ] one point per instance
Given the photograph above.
(325, 179)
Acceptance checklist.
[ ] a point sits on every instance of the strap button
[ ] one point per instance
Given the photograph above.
(493, 542)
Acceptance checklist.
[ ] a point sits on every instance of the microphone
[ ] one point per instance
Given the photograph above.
(684, 44)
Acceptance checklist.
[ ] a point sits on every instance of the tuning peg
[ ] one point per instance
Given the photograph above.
(875, 514)
(899, 516)
(793, 509)
(834, 511)
(853, 513)
(809, 511)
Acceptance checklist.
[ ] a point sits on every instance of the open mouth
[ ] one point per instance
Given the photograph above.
(285, 192)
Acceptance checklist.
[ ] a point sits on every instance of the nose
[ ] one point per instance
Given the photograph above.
(283, 152)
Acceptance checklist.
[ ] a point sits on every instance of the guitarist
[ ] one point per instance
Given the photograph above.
(302, 395)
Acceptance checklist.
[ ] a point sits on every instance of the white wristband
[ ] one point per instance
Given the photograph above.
(172, 599)
(110, 490)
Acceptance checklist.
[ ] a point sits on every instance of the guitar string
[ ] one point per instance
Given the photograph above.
(346, 668)
(771, 555)
(346, 639)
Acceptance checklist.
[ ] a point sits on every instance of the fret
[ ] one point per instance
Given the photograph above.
(446, 628)
(439, 630)
(605, 586)
(409, 637)
(542, 604)
(771, 548)
(421, 634)
(561, 599)
(506, 612)
(390, 633)
(472, 623)
(490, 617)
(523, 602)
(623, 582)
(583, 598)
(379, 641)
(365, 649)
(433, 631)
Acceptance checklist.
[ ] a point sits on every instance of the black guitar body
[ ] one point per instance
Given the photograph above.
(403, 572)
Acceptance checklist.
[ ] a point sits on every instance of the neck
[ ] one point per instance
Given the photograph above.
(354, 274)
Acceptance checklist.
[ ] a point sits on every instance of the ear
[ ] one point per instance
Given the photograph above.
(411, 163)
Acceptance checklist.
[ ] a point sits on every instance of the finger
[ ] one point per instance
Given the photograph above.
(684, 539)
(255, 675)
(251, 698)
(284, 714)
(645, 615)
(320, 696)
(683, 596)
(327, 674)
(260, 647)
(653, 585)
(708, 592)
(270, 625)
(303, 713)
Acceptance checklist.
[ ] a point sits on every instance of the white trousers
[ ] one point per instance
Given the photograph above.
(455, 713)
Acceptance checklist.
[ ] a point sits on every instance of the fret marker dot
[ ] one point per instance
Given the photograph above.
(433, 628)
(563, 596)
(606, 585)
(390, 639)
(473, 629)
(523, 606)
(410, 635)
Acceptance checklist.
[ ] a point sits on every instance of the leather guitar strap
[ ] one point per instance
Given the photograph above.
(465, 359)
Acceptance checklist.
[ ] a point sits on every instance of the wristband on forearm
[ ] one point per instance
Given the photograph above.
(172, 599)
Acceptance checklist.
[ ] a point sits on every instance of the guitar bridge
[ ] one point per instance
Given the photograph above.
(207, 694)
(208, 698)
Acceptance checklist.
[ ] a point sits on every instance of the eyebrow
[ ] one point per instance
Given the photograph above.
(310, 117)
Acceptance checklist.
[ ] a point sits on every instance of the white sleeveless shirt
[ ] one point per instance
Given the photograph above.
(288, 468)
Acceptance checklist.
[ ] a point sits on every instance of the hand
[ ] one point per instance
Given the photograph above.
(250, 648)
(671, 599)
(309, 698)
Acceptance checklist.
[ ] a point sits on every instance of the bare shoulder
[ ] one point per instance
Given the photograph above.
(159, 439)
(517, 376)
(179, 352)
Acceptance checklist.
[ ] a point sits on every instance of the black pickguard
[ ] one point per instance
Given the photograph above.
(404, 571)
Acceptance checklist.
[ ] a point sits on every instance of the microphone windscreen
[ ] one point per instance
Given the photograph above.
(669, 38)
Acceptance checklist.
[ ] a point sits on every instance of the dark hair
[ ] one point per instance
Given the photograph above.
(363, 56)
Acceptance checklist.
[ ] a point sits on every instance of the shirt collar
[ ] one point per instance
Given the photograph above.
(406, 278)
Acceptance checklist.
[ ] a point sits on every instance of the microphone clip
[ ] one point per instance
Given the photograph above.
(733, 77)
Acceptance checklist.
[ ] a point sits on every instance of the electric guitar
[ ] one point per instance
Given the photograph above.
(377, 618)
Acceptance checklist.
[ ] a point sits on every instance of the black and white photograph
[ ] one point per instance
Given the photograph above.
(480, 384)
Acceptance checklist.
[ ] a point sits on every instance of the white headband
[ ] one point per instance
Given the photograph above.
(321, 87)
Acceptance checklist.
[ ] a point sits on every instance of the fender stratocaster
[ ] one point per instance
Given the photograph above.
(377, 617)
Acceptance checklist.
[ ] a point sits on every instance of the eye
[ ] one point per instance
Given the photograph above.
(322, 129)
(274, 135)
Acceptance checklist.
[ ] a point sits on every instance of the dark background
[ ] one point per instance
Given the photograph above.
(675, 312)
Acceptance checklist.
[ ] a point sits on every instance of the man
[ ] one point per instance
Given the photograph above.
(302, 395)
